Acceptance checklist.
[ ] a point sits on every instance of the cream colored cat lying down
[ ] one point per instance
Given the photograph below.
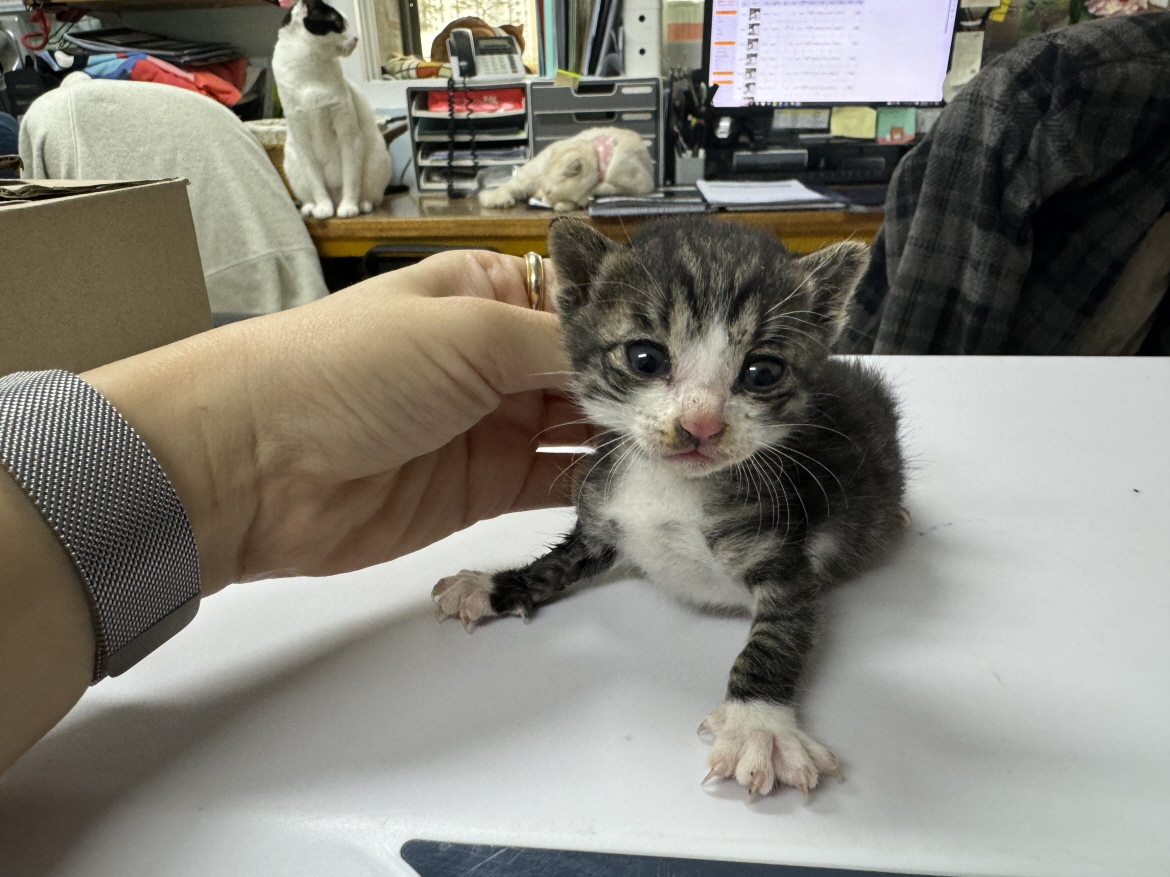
(599, 161)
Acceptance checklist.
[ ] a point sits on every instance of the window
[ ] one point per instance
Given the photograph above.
(409, 27)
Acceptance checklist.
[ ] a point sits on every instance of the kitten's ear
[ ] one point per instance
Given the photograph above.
(516, 30)
(573, 169)
(832, 272)
(576, 249)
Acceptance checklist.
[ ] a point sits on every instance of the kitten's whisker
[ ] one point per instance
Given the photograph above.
(799, 286)
(763, 462)
(617, 443)
(828, 429)
(807, 335)
(560, 426)
(759, 511)
(773, 499)
(616, 466)
(561, 474)
(781, 475)
(768, 317)
(575, 462)
(823, 466)
(781, 318)
(817, 481)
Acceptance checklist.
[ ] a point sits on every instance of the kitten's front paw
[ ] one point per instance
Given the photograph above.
(565, 206)
(762, 746)
(366, 207)
(496, 198)
(467, 595)
(319, 210)
(346, 209)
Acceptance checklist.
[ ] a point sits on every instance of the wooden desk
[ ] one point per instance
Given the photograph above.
(429, 219)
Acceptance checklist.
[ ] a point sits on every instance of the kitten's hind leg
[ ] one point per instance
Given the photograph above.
(758, 740)
(473, 596)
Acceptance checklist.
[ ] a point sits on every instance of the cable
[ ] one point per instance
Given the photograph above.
(452, 193)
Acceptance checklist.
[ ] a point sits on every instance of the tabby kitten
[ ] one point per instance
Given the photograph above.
(742, 466)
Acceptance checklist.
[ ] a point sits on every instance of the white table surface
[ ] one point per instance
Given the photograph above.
(998, 689)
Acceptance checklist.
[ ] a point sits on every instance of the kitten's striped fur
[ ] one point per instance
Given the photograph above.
(722, 491)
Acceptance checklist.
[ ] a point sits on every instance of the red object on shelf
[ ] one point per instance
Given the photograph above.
(487, 100)
(37, 42)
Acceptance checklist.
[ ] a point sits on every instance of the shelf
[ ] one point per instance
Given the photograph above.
(420, 100)
(158, 5)
(470, 117)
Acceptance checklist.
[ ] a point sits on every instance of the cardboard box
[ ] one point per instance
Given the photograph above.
(97, 272)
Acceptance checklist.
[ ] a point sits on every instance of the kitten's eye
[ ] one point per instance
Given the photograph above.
(648, 359)
(761, 373)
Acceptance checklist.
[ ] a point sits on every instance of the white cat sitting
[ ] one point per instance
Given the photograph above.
(334, 157)
(599, 161)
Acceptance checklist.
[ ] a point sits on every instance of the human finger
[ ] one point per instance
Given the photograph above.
(514, 350)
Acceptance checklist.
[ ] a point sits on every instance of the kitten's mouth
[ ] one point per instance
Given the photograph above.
(696, 458)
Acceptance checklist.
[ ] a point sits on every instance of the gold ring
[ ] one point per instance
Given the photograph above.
(534, 280)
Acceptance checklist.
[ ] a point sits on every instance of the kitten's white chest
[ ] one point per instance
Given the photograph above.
(660, 518)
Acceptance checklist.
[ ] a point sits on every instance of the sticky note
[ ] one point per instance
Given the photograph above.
(999, 13)
(895, 124)
(853, 122)
(966, 59)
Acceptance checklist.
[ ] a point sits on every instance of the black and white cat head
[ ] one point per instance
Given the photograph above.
(323, 28)
(699, 338)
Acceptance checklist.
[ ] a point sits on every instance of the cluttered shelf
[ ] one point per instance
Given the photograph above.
(99, 6)
(411, 218)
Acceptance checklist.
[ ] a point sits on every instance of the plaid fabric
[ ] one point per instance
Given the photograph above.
(1008, 225)
(407, 67)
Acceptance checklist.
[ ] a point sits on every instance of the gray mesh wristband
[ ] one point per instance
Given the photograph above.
(112, 506)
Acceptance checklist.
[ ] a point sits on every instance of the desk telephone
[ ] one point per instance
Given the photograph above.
(484, 58)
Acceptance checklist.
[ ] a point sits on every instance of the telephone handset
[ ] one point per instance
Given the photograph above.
(484, 58)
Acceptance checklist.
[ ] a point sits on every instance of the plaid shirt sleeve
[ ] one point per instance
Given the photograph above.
(1006, 227)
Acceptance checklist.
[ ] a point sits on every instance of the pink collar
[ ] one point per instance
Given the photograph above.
(603, 145)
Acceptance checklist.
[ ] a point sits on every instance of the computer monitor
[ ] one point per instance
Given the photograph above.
(799, 53)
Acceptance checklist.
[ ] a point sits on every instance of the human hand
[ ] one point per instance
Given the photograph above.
(361, 427)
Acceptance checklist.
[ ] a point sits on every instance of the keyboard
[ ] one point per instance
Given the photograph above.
(842, 176)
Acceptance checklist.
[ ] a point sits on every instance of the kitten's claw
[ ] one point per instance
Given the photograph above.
(466, 596)
(710, 776)
(761, 745)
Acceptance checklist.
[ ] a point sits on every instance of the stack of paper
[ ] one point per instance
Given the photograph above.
(124, 39)
(768, 195)
(681, 199)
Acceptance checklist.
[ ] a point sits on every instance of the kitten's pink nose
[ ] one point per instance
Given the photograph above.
(704, 428)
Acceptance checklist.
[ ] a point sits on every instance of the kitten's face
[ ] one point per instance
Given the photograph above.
(699, 339)
(325, 26)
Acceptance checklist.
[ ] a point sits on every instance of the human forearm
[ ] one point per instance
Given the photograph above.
(189, 403)
(46, 641)
(318, 440)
